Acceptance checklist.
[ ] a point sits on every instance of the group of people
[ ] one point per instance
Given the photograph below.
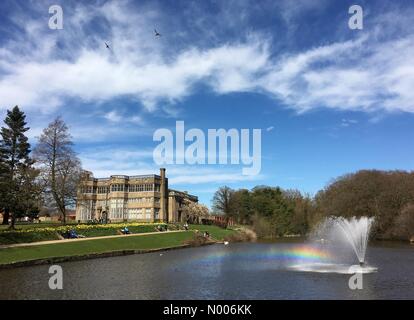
(71, 234)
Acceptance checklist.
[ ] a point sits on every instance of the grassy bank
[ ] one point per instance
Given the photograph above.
(25, 225)
(144, 242)
(35, 233)
(98, 246)
(215, 232)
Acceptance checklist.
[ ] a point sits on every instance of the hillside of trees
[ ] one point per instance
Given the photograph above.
(272, 212)
(386, 195)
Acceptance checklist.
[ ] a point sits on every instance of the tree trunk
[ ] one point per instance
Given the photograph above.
(6, 216)
(13, 222)
(64, 216)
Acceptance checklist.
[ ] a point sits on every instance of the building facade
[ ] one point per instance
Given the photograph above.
(176, 201)
(144, 198)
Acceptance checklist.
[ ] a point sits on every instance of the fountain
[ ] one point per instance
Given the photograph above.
(356, 231)
(338, 236)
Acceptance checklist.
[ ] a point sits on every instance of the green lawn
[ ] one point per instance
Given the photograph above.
(44, 232)
(155, 241)
(33, 225)
(48, 232)
(216, 233)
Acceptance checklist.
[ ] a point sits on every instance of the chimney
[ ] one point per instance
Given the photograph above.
(164, 196)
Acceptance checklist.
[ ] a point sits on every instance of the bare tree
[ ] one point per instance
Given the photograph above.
(222, 202)
(60, 167)
(404, 223)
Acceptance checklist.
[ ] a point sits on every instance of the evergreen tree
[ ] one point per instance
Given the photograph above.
(15, 164)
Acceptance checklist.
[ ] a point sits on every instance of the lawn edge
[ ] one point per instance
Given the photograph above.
(108, 254)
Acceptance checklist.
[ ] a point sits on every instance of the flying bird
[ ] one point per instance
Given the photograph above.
(157, 34)
(107, 46)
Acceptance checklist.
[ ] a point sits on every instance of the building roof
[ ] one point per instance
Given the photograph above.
(185, 194)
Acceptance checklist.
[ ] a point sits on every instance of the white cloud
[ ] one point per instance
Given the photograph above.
(348, 122)
(107, 161)
(218, 177)
(113, 116)
(366, 74)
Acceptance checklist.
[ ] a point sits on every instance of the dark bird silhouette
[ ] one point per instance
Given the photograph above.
(107, 46)
(157, 34)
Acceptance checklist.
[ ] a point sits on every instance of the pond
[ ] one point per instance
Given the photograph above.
(236, 271)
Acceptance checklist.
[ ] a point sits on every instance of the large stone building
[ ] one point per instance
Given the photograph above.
(143, 198)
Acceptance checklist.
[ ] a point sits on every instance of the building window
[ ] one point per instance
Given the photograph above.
(135, 214)
(140, 200)
(117, 187)
(103, 189)
(147, 213)
(117, 209)
(86, 209)
(87, 189)
(141, 187)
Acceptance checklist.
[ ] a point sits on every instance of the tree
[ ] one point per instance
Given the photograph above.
(60, 167)
(404, 223)
(193, 212)
(241, 206)
(373, 193)
(17, 176)
(271, 211)
(303, 209)
(28, 199)
(221, 201)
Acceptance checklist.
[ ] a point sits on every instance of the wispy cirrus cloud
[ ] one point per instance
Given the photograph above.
(108, 161)
(44, 67)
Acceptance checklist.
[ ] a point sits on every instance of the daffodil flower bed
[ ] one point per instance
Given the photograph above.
(87, 230)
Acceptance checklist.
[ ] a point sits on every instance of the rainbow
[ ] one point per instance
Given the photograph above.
(306, 253)
(295, 254)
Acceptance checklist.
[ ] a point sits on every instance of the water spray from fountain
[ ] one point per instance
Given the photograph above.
(356, 231)
(335, 236)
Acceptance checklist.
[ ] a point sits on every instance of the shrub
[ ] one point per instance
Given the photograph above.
(197, 240)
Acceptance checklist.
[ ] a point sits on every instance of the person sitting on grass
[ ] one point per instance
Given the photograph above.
(72, 234)
(125, 230)
(159, 228)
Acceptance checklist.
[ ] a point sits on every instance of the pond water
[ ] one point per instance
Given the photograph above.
(282, 270)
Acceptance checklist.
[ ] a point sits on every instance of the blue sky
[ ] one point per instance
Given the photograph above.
(329, 100)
